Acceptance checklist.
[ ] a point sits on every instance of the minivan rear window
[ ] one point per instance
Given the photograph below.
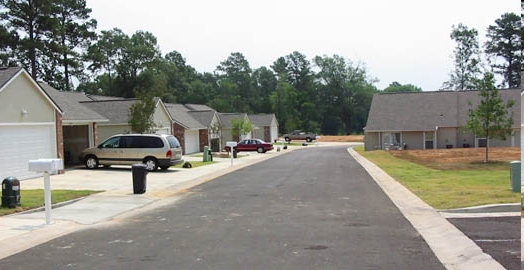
(173, 142)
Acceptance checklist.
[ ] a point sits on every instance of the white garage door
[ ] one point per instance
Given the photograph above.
(19, 144)
(192, 142)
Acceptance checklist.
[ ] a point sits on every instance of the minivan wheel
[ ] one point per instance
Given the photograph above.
(308, 139)
(91, 162)
(151, 164)
(260, 150)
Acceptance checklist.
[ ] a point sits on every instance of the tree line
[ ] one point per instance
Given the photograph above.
(56, 41)
(501, 54)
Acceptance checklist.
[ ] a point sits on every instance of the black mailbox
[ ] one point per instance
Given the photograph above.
(10, 192)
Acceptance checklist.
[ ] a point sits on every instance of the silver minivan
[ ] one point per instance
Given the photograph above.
(155, 151)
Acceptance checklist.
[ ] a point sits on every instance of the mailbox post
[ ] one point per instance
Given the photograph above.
(46, 166)
(232, 146)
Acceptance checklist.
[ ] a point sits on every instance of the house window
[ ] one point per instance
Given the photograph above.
(429, 140)
(482, 142)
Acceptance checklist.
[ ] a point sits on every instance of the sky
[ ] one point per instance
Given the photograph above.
(406, 41)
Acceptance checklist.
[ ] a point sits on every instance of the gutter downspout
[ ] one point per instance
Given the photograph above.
(436, 138)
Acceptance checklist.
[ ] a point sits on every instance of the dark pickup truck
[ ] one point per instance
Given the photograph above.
(299, 135)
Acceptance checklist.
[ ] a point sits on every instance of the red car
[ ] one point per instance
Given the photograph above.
(252, 145)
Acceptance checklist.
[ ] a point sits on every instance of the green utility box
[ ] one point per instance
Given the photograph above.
(515, 176)
(208, 156)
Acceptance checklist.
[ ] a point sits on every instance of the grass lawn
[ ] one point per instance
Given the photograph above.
(31, 199)
(448, 189)
(34, 198)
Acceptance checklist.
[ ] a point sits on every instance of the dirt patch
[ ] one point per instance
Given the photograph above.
(347, 138)
(461, 158)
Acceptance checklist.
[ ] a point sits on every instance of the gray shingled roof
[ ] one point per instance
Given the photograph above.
(180, 114)
(6, 73)
(226, 118)
(117, 111)
(203, 117)
(426, 110)
(261, 120)
(198, 107)
(102, 98)
(70, 104)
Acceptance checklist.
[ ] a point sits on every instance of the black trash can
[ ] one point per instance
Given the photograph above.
(139, 178)
(234, 153)
(11, 192)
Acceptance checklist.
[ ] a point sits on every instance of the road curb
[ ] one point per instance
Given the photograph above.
(454, 249)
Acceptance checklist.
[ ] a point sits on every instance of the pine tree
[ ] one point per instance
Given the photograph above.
(466, 58)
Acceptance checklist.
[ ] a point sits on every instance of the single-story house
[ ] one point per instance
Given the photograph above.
(117, 112)
(195, 128)
(431, 120)
(30, 124)
(227, 127)
(265, 126)
(212, 132)
(78, 121)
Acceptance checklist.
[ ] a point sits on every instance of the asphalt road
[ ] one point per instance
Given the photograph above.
(497, 236)
(309, 209)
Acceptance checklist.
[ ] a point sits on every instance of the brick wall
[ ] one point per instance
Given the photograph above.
(267, 134)
(203, 138)
(178, 132)
(59, 137)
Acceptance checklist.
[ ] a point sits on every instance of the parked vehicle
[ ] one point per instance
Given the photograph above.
(127, 149)
(299, 135)
(252, 145)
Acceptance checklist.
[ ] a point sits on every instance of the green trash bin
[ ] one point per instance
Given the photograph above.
(206, 154)
(515, 176)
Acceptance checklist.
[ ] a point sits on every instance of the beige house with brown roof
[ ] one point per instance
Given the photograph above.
(265, 126)
(431, 120)
(117, 112)
(227, 127)
(195, 126)
(79, 123)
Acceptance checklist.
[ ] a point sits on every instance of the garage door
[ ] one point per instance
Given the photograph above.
(19, 144)
(191, 139)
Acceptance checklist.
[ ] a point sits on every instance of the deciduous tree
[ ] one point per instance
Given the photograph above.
(345, 91)
(490, 119)
(105, 55)
(396, 87)
(141, 114)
